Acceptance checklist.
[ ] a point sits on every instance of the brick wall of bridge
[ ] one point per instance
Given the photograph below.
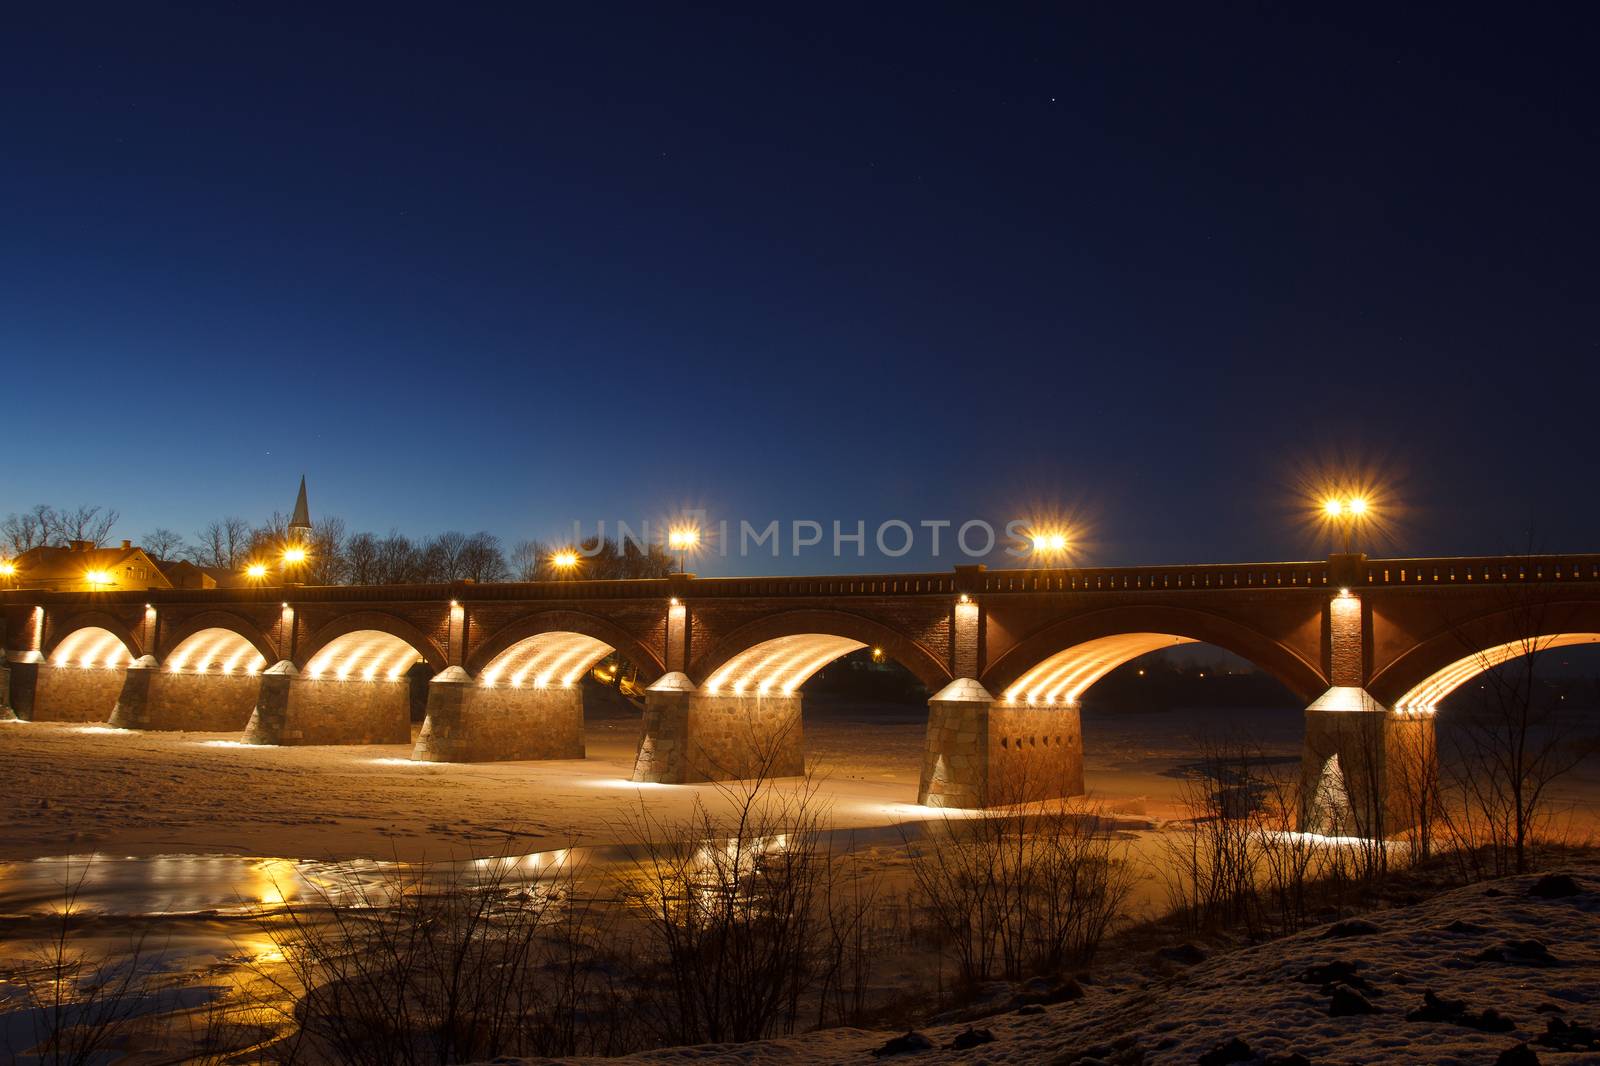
(468, 722)
(76, 693)
(202, 703)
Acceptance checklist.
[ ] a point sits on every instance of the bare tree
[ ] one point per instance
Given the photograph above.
(1511, 741)
(163, 544)
(361, 553)
(480, 558)
(525, 558)
(608, 560)
(327, 564)
(398, 562)
(441, 557)
(92, 524)
(25, 532)
(224, 544)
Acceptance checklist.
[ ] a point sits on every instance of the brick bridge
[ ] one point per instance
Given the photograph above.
(1370, 645)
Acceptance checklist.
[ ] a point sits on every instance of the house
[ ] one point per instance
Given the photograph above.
(186, 575)
(82, 567)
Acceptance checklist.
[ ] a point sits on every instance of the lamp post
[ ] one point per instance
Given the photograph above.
(1345, 512)
(8, 572)
(1048, 544)
(294, 557)
(683, 541)
(564, 562)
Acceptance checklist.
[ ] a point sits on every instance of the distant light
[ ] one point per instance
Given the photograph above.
(7, 568)
(1344, 594)
(98, 577)
(1357, 505)
(1333, 507)
(564, 560)
(673, 602)
(294, 555)
(683, 538)
(256, 571)
(964, 598)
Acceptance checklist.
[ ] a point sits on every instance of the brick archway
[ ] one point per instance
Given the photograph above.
(1295, 673)
(514, 632)
(1521, 622)
(58, 631)
(380, 621)
(928, 666)
(171, 640)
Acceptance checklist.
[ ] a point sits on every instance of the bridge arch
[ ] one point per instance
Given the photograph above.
(92, 635)
(1431, 669)
(214, 647)
(352, 645)
(1062, 659)
(781, 651)
(555, 647)
(214, 623)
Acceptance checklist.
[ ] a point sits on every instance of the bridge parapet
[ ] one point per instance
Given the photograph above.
(1155, 578)
(1482, 570)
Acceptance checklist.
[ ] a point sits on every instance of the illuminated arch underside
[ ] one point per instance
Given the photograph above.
(365, 654)
(91, 646)
(221, 650)
(546, 659)
(779, 666)
(1066, 675)
(1425, 698)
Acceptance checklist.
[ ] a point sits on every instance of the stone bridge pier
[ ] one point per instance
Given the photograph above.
(470, 721)
(1367, 770)
(301, 708)
(692, 735)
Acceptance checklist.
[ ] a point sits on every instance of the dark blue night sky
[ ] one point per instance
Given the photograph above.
(512, 267)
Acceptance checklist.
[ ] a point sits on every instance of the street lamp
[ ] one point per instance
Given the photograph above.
(256, 571)
(564, 562)
(1346, 512)
(8, 571)
(683, 540)
(1049, 543)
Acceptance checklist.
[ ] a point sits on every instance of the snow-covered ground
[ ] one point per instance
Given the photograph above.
(189, 822)
(84, 789)
(1479, 945)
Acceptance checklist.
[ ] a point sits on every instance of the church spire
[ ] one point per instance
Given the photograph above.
(302, 513)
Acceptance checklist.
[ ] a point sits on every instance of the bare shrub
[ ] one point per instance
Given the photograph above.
(432, 966)
(1031, 889)
(82, 1005)
(735, 915)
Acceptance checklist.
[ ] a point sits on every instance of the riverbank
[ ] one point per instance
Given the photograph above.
(86, 789)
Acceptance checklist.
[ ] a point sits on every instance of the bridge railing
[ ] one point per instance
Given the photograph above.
(871, 585)
(1134, 578)
(1482, 570)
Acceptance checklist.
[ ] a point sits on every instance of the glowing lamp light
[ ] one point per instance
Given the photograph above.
(98, 577)
(256, 571)
(564, 560)
(294, 556)
(7, 568)
(1049, 542)
(1347, 512)
(684, 539)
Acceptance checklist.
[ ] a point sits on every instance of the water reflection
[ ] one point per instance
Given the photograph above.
(172, 885)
